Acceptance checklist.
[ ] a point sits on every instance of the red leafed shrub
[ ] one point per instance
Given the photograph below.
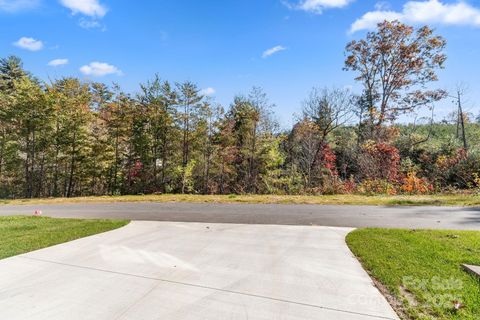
(446, 162)
(349, 186)
(135, 171)
(328, 159)
(379, 161)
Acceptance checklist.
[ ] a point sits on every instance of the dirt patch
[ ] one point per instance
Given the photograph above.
(396, 304)
(412, 301)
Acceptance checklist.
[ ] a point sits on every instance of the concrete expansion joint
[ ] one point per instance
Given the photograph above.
(370, 316)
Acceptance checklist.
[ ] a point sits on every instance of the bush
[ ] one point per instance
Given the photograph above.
(462, 174)
(379, 161)
(412, 184)
(373, 187)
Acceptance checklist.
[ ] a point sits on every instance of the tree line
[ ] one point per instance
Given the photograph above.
(71, 138)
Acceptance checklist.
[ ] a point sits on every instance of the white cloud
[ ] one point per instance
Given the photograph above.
(419, 12)
(382, 6)
(317, 6)
(272, 51)
(29, 44)
(99, 69)
(58, 62)
(370, 20)
(89, 23)
(92, 8)
(17, 5)
(208, 91)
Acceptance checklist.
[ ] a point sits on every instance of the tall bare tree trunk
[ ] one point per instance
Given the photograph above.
(251, 176)
(72, 166)
(462, 120)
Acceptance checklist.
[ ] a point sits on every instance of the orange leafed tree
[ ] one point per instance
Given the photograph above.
(394, 64)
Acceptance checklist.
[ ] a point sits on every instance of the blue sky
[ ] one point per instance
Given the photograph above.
(286, 47)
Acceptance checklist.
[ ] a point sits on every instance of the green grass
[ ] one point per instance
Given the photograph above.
(24, 234)
(421, 270)
(379, 200)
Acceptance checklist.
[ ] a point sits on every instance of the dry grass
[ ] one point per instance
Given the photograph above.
(380, 200)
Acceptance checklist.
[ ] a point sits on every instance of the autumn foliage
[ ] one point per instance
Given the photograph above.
(380, 161)
(68, 137)
(412, 184)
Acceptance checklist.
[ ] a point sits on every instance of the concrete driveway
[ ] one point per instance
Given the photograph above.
(173, 270)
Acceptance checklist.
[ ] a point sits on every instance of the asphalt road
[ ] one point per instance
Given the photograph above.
(335, 216)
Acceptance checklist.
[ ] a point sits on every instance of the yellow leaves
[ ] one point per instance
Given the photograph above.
(442, 162)
(476, 180)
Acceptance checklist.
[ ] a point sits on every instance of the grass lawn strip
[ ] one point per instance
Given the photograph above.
(377, 200)
(421, 270)
(24, 234)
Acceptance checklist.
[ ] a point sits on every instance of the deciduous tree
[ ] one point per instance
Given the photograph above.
(394, 64)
